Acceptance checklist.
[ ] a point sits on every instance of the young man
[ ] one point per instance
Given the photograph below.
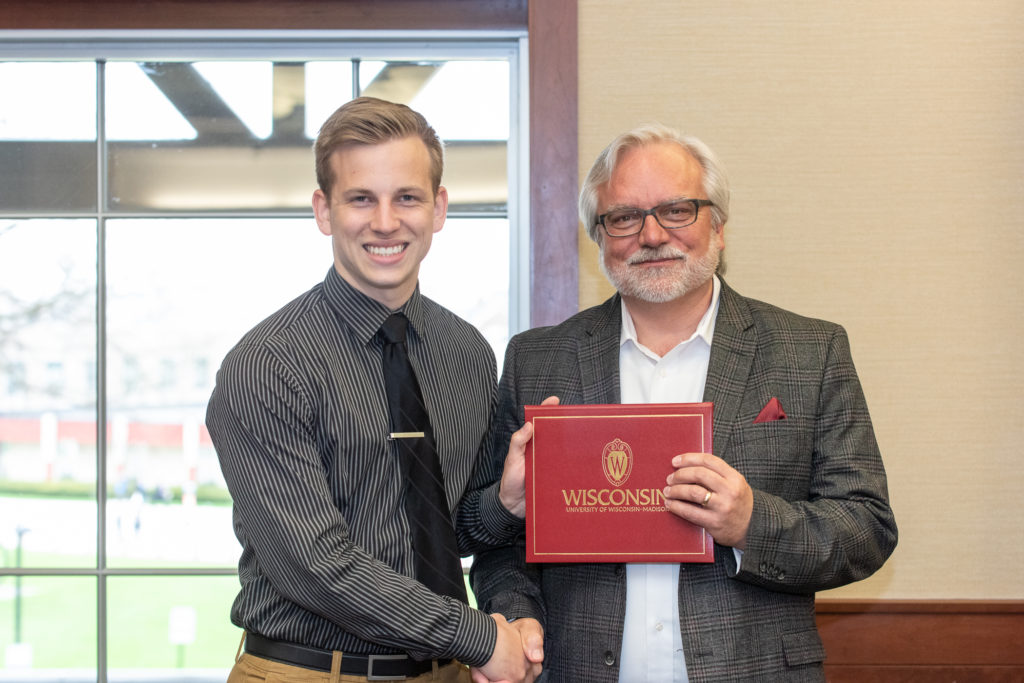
(308, 424)
(795, 498)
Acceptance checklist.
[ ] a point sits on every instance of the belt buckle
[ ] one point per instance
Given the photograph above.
(370, 676)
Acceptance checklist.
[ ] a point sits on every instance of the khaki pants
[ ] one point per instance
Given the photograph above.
(251, 669)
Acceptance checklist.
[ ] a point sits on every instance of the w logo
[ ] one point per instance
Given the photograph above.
(617, 462)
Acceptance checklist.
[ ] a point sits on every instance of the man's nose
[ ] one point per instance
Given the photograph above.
(385, 218)
(651, 232)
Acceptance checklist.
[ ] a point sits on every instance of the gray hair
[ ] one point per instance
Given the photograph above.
(716, 182)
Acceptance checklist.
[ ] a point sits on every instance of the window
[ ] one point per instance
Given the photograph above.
(154, 206)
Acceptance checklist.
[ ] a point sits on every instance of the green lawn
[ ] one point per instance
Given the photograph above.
(58, 618)
(58, 614)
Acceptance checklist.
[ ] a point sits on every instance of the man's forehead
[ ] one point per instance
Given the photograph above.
(409, 156)
(663, 167)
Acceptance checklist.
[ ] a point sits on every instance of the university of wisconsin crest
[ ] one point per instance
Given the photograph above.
(617, 461)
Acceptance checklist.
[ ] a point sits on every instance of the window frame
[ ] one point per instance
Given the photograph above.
(549, 290)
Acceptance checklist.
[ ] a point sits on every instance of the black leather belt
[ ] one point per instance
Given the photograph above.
(374, 667)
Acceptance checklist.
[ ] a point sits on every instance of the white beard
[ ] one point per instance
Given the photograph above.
(659, 284)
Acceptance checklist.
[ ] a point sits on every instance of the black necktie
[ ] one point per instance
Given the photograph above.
(433, 538)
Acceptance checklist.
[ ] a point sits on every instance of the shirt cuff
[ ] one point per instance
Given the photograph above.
(475, 637)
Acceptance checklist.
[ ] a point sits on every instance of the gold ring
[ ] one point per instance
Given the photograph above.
(707, 497)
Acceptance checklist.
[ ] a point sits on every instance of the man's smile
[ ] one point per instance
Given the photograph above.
(656, 257)
(392, 250)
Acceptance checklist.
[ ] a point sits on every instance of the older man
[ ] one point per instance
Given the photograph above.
(795, 494)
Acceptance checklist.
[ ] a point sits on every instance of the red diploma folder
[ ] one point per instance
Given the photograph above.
(594, 481)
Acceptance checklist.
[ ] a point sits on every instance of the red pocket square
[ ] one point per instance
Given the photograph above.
(771, 411)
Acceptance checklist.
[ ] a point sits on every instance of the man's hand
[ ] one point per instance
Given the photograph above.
(512, 490)
(531, 633)
(518, 653)
(710, 493)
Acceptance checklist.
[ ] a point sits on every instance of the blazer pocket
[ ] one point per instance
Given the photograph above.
(778, 432)
(803, 647)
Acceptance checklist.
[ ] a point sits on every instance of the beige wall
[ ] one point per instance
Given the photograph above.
(876, 151)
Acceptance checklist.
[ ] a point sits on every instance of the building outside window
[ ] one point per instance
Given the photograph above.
(154, 206)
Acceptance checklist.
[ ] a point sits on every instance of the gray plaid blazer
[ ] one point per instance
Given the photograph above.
(821, 514)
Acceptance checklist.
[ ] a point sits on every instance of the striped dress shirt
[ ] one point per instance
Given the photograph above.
(299, 420)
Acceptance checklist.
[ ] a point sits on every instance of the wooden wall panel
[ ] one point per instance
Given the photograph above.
(911, 641)
(554, 262)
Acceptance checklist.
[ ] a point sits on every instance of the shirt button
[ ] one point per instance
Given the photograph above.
(658, 626)
(609, 658)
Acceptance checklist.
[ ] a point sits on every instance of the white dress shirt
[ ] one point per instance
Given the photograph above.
(652, 647)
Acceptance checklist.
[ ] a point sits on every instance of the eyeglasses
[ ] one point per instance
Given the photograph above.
(670, 215)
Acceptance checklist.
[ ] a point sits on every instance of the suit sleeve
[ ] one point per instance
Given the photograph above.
(500, 577)
(841, 528)
(481, 520)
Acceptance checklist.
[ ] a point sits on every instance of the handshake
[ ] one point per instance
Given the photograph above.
(518, 653)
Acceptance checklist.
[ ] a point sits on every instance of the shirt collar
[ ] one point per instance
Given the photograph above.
(705, 328)
(363, 314)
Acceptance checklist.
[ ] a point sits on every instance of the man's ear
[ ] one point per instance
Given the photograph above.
(322, 211)
(440, 208)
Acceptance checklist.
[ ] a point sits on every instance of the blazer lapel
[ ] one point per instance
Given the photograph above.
(732, 353)
(599, 354)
